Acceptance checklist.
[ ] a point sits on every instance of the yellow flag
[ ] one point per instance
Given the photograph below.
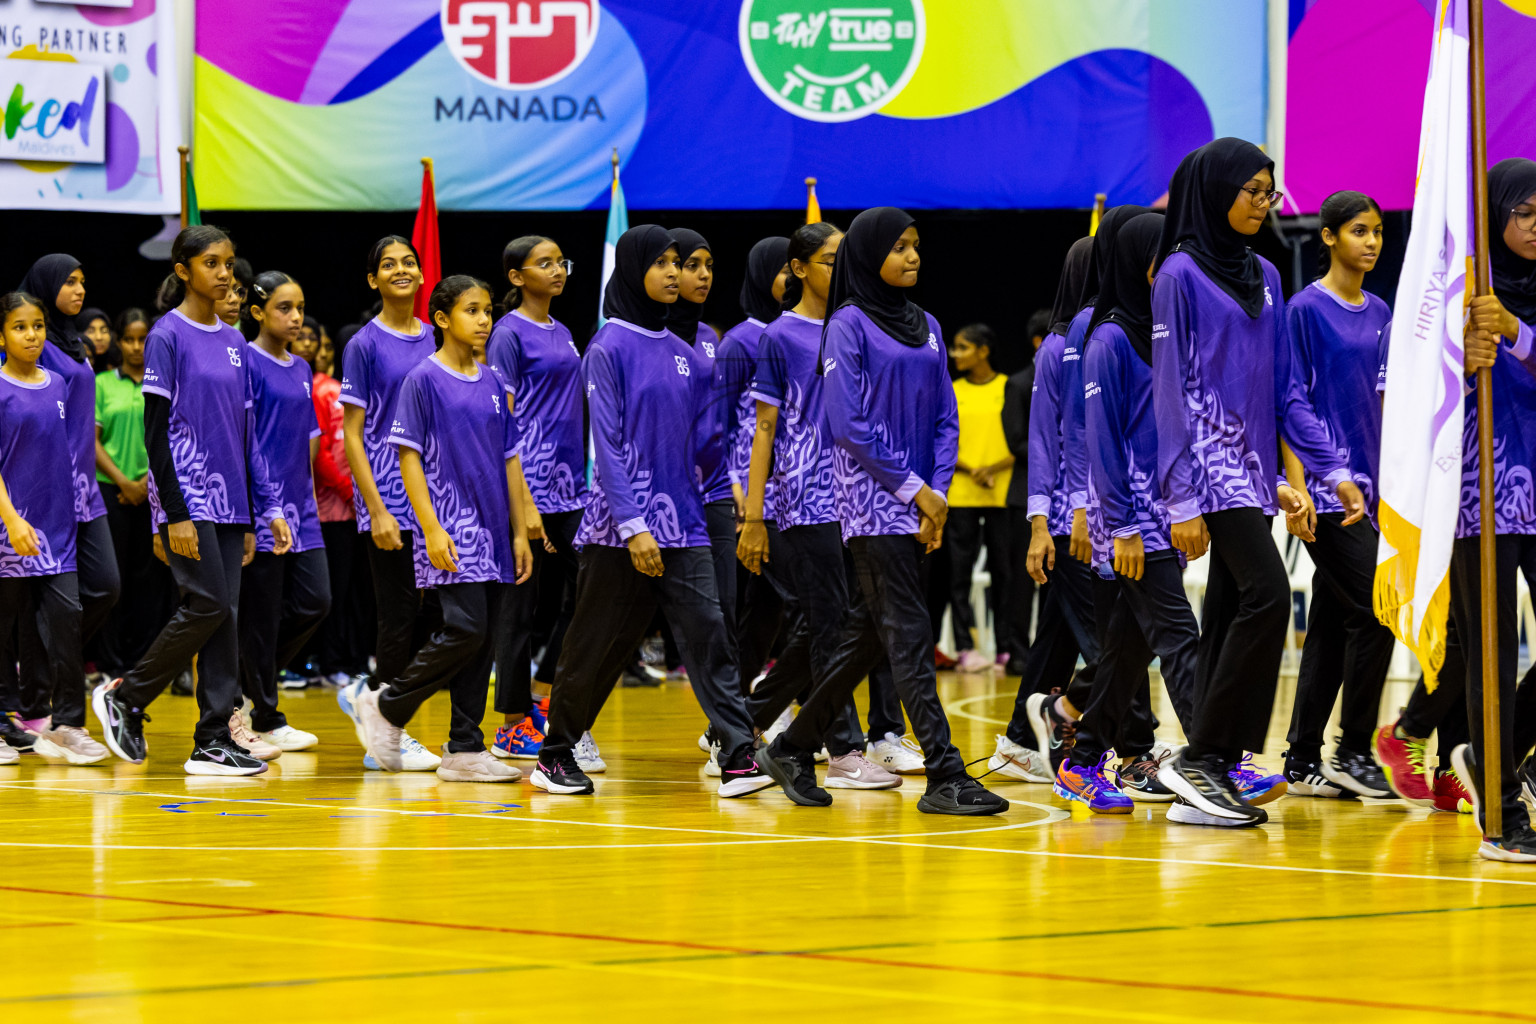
(1098, 212)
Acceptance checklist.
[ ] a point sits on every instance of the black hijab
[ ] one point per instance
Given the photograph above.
(1124, 295)
(856, 276)
(764, 262)
(1510, 183)
(1103, 256)
(625, 297)
(1069, 290)
(683, 316)
(1202, 192)
(44, 280)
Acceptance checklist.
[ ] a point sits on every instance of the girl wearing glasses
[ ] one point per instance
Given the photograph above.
(1340, 333)
(1223, 378)
(536, 356)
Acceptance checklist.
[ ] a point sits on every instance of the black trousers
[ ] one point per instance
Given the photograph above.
(345, 636)
(99, 587)
(282, 600)
(1517, 706)
(458, 655)
(50, 606)
(764, 606)
(888, 615)
(964, 533)
(720, 519)
(1066, 630)
(884, 701)
(1346, 647)
(1445, 710)
(514, 631)
(131, 625)
(1242, 636)
(1146, 618)
(614, 605)
(397, 604)
(1016, 607)
(206, 624)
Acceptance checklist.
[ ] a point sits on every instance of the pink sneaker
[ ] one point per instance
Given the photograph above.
(973, 661)
(258, 748)
(855, 771)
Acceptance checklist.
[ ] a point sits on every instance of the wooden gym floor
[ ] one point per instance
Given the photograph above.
(325, 893)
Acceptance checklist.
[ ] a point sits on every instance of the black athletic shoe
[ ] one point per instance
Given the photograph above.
(1356, 772)
(1054, 734)
(182, 686)
(122, 727)
(1204, 784)
(14, 735)
(1518, 846)
(960, 794)
(560, 774)
(223, 757)
(741, 775)
(1306, 778)
(1471, 776)
(1526, 773)
(1138, 780)
(795, 773)
(1183, 813)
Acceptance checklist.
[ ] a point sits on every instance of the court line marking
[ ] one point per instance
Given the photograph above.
(957, 708)
(715, 980)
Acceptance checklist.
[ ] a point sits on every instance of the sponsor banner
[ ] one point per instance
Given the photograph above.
(91, 113)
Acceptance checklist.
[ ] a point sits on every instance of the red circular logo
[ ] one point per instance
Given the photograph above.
(520, 44)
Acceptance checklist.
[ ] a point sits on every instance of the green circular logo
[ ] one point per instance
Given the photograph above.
(827, 61)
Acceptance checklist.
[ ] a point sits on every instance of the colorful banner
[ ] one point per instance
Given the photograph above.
(70, 146)
(329, 104)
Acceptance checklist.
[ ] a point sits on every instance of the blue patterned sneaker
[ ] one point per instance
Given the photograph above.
(1092, 787)
(1255, 785)
(540, 715)
(522, 741)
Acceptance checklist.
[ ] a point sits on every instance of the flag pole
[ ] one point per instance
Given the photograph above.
(1099, 199)
(615, 161)
(1493, 774)
(184, 152)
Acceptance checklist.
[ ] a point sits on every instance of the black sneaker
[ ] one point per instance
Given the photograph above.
(1471, 777)
(1306, 778)
(223, 757)
(740, 775)
(1518, 846)
(1138, 780)
(1357, 773)
(1054, 734)
(1204, 784)
(795, 773)
(1184, 813)
(1526, 773)
(122, 727)
(182, 686)
(560, 774)
(960, 795)
(14, 735)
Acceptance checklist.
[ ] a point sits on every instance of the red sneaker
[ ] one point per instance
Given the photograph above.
(942, 661)
(1450, 794)
(1405, 764)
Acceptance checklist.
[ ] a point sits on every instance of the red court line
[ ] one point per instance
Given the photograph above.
(138, 920)
(1213, 990)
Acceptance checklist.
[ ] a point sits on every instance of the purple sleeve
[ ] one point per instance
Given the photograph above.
(413, 419)
(356, 376)
(1297, 418)
(1383, 346)
(1104, 425)
(266, 495)
(768, 375)
(504, 353)
(511, 437)
(160, 365)
(605, 404)
(734, 368)
(1074, 439)
(846, 386)
(946, 445)
(1044, 428)
(1172, 346)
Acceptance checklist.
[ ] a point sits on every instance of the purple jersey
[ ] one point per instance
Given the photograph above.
(1058, 458)
(34, 442)
(283, 421)
(1223, 382)
(1514, 443)
(465, 435)
(80, 380)
(642, 388)
(200, 369)
(542, 370)
(1340, 348)
(713, 420)
(892, 411)
(374, 364)
(801, 484)
(739, 353)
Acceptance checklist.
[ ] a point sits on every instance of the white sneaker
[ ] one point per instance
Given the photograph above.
(784, 721)
(821, 756)
(704, 741)
(381, 738)
(712, 766)
(286, 737)
(897, 754)
(414, 757)
(69, 743)
(587, 757)
(1019, 762)
(8, 753)
(475, 766)
(241, 733)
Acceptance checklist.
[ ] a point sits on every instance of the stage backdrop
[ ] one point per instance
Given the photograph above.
(136, 102)
(328, 104)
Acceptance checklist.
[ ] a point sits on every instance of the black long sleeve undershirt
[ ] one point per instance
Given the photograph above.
(157, 439)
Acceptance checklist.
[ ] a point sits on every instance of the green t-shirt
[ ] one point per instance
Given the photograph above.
(120, 415)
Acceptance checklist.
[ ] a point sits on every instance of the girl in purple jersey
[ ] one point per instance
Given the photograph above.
(1340, 333)
(283, 597)
(203, 481)
(458, 462)
(38, 531)
(1223, 381)
(374, 365)
(537, 359)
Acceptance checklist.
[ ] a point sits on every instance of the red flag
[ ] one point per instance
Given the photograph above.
(424, 238)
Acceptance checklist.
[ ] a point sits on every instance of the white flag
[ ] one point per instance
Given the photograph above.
(1422, 421)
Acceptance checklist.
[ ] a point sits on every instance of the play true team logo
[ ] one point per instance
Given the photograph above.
(520, 44)
(830, 61)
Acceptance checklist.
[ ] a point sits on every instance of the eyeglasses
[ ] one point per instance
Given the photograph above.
(239, 291)
(548, 266)
(1525, 219)
(1259, 197)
